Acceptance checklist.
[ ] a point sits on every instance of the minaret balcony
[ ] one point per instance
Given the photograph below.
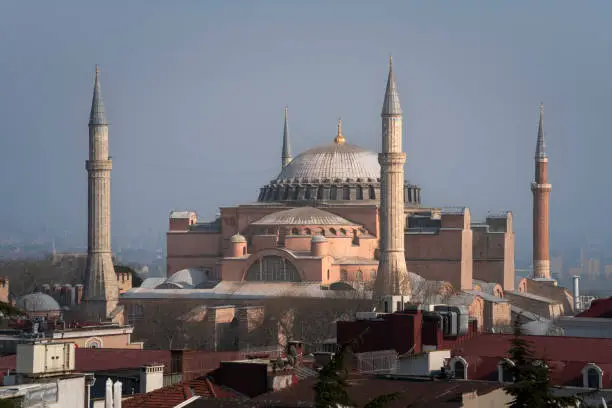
(541, 187)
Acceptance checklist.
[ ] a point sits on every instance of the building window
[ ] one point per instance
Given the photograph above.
(333, 231)
(359, 276)
(592, 376)
(360, 193)
(295, 231)
(93, 343)
(504, 372)
(346, 195)
(372, 193)
(459, 367)
(328, 274)
(307, 231)
(273, 269)
(373, 275)
(343, 275)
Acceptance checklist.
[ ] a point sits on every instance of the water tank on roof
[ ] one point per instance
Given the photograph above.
(458, 316)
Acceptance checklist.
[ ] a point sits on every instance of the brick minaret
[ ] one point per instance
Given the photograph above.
(286, 153)
(392, 276)
(101, 289)
(541, 207)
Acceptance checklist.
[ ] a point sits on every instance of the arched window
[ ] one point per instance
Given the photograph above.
(320, 193)
(333, 193)
(243, 251)
(360, 193)
(343, 275)
(333, 231)
(592, 376)
(459, 367)
(372, 193)
(273, 268)
(93, 342)
(503, 371)
(307, 231)
(346, 194)
(342, 231)
(359, 276)
(308, 193)
(328, 274)
(373, 274)
(295, 231)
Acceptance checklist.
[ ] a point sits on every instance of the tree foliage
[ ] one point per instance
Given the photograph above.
(531, 387)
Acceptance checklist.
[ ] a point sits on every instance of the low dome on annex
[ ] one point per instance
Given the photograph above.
(338, 171)
(38, 303)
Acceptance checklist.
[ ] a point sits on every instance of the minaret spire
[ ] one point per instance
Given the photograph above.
(97, 116)
(101, 289)
(541, 207)
(541, 144)
(392, 281)
(286, 153)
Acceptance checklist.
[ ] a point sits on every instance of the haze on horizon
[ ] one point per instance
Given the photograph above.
(195, 95)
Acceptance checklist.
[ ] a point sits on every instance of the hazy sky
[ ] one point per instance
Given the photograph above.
(195, 92)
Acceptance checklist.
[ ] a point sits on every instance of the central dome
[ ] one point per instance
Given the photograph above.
(335, 161)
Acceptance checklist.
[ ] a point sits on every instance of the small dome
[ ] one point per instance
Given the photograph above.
(302, 216)
(191, 277)
(38, 302)
(237, 239)
(318, 238)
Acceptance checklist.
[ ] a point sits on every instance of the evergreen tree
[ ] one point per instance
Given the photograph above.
(531, 387)
(331, 388)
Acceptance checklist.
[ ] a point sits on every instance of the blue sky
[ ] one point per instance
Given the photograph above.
(195, 92)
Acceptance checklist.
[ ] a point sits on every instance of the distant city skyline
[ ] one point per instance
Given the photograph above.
(195, 96)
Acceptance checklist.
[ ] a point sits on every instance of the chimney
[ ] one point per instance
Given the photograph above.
(576, 280)
(117, 394)
(108, 395)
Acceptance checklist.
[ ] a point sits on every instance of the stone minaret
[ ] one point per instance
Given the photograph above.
(286, 154)
(541, 207)
(101, 289)
(392, 276)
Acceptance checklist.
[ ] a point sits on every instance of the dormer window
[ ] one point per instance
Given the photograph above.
(592, 376)
(459, 367)
(503, 371)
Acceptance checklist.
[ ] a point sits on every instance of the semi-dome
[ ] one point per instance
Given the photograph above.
(38, 302)
(190, 277)
(302, 216)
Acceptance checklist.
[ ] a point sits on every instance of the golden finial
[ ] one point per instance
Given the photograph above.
(97, 69)
(339, 139)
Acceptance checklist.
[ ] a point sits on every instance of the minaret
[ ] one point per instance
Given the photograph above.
(101, 289)
(541, 207)
(286, 154)
(392, 276)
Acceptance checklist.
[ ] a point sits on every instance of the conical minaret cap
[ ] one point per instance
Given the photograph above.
(97, 115)
(541, 144)
(286, 153)
(391, 104)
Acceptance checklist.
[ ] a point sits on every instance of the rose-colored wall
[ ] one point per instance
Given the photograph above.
(445, 256)
(119, 341)
(493, 254)
(4, 290)
(362, 215)
(191, 250)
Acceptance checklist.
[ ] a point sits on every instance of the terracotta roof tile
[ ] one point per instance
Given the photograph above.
(363, 389)
(170, 396)
(599, 308)
(566, 356)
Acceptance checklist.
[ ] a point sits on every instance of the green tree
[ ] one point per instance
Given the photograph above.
(331, 388)
(531, 387)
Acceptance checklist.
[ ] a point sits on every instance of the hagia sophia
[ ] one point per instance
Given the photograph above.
(336, 220)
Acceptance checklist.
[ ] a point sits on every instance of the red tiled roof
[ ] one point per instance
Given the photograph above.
(599, 308)
(362, 389)
(173, 395)
(566, 356)
(105, 359)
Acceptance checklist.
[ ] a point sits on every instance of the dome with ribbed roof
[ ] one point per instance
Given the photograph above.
(335, 161)
(38, 302)
(303, 216)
